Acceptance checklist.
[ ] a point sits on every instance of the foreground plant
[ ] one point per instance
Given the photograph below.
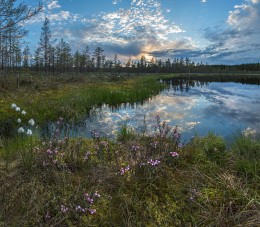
(23, 129)
(150, 180)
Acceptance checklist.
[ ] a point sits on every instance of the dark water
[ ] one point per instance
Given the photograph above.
(196, 107)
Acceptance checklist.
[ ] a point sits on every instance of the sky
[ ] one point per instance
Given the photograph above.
(211, 31)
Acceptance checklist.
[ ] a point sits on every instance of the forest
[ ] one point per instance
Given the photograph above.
(56, 56)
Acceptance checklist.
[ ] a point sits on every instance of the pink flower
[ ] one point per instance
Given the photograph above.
(153, 162)
(64, 209)
(96, 194)
(174, 154)
(92, 211)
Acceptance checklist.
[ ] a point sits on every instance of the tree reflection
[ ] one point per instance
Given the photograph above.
(185, 83)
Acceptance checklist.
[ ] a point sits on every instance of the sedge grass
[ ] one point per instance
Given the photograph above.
(193, 189)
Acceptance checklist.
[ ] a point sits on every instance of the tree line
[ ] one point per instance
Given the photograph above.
(53, 57)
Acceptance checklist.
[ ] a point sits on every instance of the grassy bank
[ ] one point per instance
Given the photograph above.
(48, 98)
(133, 181)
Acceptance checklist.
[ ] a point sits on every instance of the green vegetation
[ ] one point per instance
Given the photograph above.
(48, 98)
(135, 180)
(143, 181)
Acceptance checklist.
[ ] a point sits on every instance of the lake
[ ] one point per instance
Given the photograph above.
(195, 106)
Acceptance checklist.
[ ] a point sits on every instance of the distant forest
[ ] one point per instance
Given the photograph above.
(57, 57)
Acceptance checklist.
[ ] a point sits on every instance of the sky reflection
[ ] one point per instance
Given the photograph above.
(223, 108)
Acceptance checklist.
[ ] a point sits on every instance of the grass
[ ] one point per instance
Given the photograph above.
(57, 182)
(136, 180)
(72, 97)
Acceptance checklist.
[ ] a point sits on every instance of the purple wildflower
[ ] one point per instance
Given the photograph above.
(180, 145)
(176, 135)
(92, 211)
(80, 209)
(154, 144)
(88, 198)
(124, 170)
(49, 151)
(64, 209)
(97, 194)
(153, 162)
(135, 148)
(174, 154)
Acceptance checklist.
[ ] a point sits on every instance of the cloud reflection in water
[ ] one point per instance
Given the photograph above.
(220, 107)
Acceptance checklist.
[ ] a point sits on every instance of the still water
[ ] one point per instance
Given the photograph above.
(196, 107)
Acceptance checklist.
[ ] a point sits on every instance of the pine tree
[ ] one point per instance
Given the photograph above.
(26, 57)
(98, 55)
(44, 43)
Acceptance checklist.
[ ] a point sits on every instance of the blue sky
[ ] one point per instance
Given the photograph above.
(212, 31)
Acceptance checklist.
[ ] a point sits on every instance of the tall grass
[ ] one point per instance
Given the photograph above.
(73, 100)
(137, 181)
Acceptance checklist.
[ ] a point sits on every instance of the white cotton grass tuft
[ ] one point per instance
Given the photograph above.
(19, 120)
(21, 130)
(31, 122)
(17, 109)
(29, 132)
(23, 112)
(13, 106)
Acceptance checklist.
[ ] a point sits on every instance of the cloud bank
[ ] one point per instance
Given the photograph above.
(143, 28)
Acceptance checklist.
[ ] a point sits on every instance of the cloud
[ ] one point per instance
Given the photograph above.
(138, 29)
(143, 28)
(128, 31)
(238, 42)
(242, 36)
(116, 1)
(53, 5)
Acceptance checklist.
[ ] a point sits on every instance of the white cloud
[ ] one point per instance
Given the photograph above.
(116, 1)
(240, 41)
(53, 5)
(245, 16)
(142, 28)
(143, 24)
(203, 1)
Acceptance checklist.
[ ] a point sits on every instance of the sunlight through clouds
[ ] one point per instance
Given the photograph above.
(154, 28)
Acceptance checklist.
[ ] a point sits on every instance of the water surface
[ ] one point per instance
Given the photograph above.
(196, 107)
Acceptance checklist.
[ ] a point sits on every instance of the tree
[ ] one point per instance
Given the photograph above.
(143, 63)
(86, 59)
(77, 61)
(98, 55)
(38, 60)
(26, 56)
(128, 63)
(44, 43)
(11, 31)
(11, 15)
(64, 58)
